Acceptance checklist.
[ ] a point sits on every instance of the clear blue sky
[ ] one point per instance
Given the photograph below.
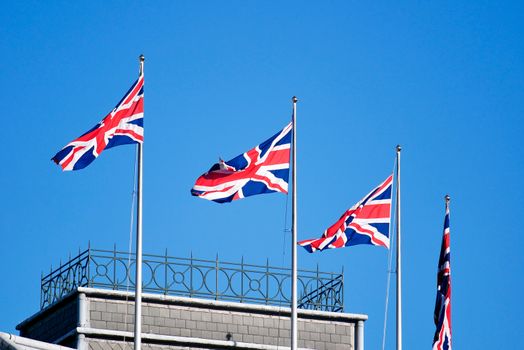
(442, 78)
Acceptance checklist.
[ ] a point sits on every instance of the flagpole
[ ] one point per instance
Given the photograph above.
(138, 279)
(399, 258)
(294, 327)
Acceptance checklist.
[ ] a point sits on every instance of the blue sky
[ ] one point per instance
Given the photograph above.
(443, 79)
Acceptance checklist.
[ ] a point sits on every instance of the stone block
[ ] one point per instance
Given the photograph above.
(341, 347)
(147, 320)
(227, 318)
(216, 317)
(285, 333)
(154, 311)
(222, 327)
(211, 326)
(268, 323)
(121, 308)
(247, 320)
(284, 323)
(98, 324)
(330, 328)
(263, 331)
(191, 324)
(242, 329)
(196, 315)
(169, 322)
(98, 306)
(96, 315)
(341, 329)
(174, 313)
(320, 345)
(117, 317)
(233, 328)
(272, 340)
(123, 327)
(185, 314)
(325, 337)
(163, 312)
(258, 321)
(206, 316)
(310, 327)
(345, 339)
(309, 344)
(111, 307)
(335, 338)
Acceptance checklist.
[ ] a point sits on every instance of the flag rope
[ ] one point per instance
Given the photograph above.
(389, 272)
(131, 225)
(286, 230)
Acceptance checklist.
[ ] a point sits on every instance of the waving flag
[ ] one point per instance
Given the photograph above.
(367, 222)
(442, 339)
(263, 169)
(123, 125)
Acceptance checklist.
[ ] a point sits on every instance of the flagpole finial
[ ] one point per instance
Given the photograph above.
(141, 58)
(447, 198)
(399, 148)
(295, 99)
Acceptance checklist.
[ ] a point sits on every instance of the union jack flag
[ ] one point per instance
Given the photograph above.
(442, 316)
(367, 222)
(123, 125)
(263, 169)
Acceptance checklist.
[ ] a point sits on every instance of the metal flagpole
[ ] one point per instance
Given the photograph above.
(294, 327)
(399, 258)
(138, 279)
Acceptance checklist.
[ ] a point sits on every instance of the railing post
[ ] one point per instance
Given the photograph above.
(52, 286)
(165, 274)
(267, 281)
(319, 298)
(41, 289)
(191, 276)
(216, 277)
(115, 285)
(68, 275)
(89, 284)
(60, 274)
(242, 280)
(342, 290)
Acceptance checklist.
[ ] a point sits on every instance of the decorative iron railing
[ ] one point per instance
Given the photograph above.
(191, 277)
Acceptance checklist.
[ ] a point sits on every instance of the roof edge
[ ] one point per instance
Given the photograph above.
(16, 342)
(206, 303)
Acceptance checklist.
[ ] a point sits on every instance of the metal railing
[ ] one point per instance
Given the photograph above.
(191, 277)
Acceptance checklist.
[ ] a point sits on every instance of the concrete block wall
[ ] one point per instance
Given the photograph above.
(99, 344)
(190, 318)
(168, 322)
